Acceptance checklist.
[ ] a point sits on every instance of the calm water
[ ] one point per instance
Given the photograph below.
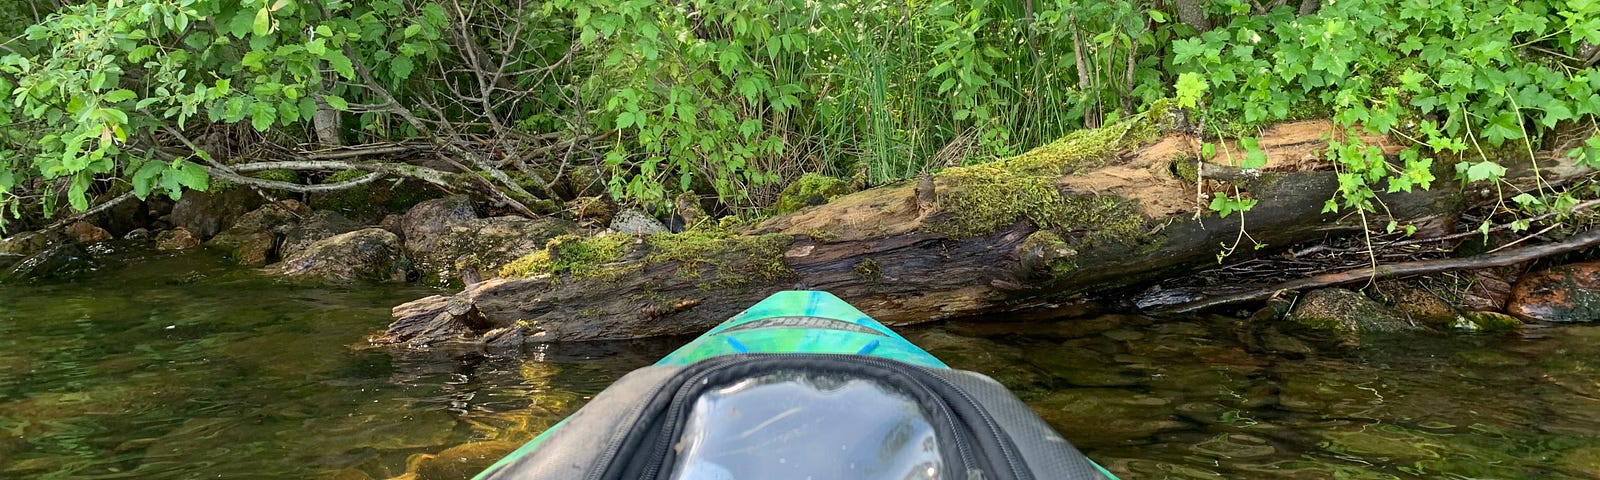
(177, 367)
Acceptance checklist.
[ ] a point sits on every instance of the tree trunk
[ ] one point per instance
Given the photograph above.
(1098, 210)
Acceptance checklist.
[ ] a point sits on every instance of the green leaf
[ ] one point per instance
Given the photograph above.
(337, 102)
(1480, 171)
(190, 175)
(401, 67)
(119, 95)
(1158, 16)
(1254, 157)
(263, 22)
(1191, 86)
(340, 64)
(262, 115)
(413, 30)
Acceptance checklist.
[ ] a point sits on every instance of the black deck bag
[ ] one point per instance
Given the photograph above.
(802, 416)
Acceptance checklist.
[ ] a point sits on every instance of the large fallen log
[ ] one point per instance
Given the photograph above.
(1098, 210)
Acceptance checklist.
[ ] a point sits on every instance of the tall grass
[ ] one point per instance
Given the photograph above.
(874, 72)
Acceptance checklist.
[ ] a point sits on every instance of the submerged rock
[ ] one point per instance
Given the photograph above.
(1094, 417)
(635, 222)
(371, 254)
(62, 261)
(87, 233)
(1346, 312)
(1566, 293)
(461, 461)
(179, 238)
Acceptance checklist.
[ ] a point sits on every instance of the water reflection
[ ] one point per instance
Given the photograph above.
(181, 367)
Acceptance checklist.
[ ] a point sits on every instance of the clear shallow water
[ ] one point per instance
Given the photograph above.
(178, 367)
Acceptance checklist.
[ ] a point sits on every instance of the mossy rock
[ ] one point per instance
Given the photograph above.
(810, 190)
(370, 202)
(1415, 302)
(1345, 312)
(1485, 322)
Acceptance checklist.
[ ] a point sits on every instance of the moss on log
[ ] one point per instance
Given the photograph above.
(1098, 210)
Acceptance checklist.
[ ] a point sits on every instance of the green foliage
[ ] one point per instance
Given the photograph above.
(727, 94)
(1452, 77)
(95, 84)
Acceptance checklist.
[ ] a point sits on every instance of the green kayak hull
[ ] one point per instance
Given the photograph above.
(793, 321)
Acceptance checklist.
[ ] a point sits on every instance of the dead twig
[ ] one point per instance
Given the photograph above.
(1425, 267)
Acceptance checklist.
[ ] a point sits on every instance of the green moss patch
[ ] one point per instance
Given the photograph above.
(978, 200)
(811, 189)
(722, 258)
(718, 257)
(570, 254)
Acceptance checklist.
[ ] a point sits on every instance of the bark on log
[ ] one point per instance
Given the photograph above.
(1096, 211)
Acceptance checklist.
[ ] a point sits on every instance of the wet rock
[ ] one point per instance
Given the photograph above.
(1345, 312)
(636, 222)
(137, 234)
(1485, 322)
(364, 255)
(1415, 303)
(425, 222)
(179, 238)
(207, 213)
(1566, 293)
(87, 233)
(26, 243)
(247, 247)
(317, 226)
(253, 239)
(394, 224)
(61, 261)
(1489, 289)
(486, 244)
(275, 216)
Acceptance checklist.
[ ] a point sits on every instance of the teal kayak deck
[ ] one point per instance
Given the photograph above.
(802, 322)
(793, 321)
